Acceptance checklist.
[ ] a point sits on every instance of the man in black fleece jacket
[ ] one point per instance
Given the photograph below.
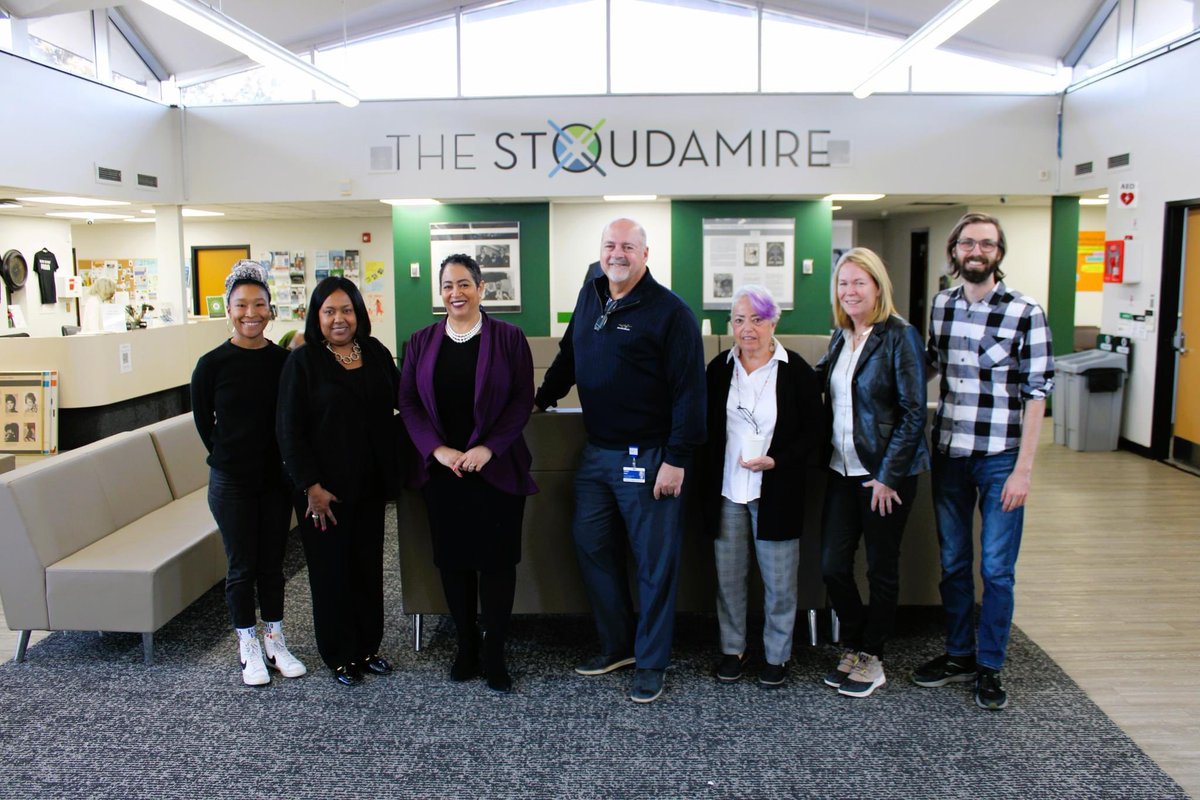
(633, 348)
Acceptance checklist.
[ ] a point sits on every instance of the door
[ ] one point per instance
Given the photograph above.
(1187, 375)
(210, 266)
(918, 274)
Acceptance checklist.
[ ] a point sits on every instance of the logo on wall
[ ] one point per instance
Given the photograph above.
(576, 147)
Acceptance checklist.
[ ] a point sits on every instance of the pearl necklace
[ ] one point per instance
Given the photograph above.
(355, 353)
(464, 337)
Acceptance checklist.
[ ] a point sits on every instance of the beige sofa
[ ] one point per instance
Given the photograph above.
(113, 536)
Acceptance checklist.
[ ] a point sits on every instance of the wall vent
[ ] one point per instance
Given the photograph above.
(1118, 162)
(107, 174)
(1083, 169)
(147, 181)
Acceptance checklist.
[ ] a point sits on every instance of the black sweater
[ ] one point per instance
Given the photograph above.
(234, 392)
(640, 377)
(336, 428)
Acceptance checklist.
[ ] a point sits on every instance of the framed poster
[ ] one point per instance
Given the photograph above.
(497, 248)
(738, 251)
(29, 414)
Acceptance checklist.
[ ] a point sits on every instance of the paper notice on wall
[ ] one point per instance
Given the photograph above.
(747, 250)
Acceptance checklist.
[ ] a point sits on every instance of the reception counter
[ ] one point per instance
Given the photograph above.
(112, 382)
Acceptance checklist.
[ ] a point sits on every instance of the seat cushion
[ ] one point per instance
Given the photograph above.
(142, 575)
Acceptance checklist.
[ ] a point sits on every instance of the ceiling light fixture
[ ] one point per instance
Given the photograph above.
(1093, 201)
(82, 202)
(91, 216)
(835, 208)
(230, 32)
(10, 204)
(630, 198)
(413, 201)
(949, 21)
(853, 198)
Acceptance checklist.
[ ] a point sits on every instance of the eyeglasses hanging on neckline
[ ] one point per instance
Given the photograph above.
(602, 320)
(748, 415)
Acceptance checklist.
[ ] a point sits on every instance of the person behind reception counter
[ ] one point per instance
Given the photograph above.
(340, 442)
(234, 390)
(102, 291)
(764, 420)
(465, 395)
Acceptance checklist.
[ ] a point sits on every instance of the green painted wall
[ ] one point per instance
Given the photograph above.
(1064, 246)
(814, 239)
(410, 244)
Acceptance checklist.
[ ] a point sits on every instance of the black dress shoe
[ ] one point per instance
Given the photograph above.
(376, 665)
(499, 681)
(348, 675)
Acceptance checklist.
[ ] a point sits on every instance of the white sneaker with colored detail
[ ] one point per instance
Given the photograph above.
(254, 669)
(280, 658)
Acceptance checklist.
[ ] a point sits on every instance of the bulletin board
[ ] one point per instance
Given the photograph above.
(29, 412)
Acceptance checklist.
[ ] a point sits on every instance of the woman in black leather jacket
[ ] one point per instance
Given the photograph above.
(874, 379)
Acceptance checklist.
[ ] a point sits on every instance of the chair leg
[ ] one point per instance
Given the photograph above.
(812, 627)
(148, 648)
(22, 646)
(417, 619)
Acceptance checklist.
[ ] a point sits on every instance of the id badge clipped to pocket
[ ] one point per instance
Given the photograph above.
(633, 473)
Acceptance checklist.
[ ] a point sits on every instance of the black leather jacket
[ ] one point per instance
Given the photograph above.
(889, 400)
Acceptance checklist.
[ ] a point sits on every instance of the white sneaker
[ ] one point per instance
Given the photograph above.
(254, 669)
(279, 658)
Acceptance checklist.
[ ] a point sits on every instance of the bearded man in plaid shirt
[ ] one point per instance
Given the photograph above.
(991, 346)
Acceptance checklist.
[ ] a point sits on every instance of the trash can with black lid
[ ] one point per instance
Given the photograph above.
(1089, 390)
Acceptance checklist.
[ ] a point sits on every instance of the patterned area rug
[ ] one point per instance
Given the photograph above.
(82, 717)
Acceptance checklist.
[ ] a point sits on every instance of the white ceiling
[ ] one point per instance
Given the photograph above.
(1029, 32)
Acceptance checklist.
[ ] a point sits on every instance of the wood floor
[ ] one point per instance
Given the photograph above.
(1108, 583)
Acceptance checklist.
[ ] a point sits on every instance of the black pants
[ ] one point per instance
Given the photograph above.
(345, 573)
(847, 516)
(254, 528)
(492, 589)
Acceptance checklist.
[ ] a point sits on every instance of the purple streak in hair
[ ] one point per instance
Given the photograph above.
(761, 301)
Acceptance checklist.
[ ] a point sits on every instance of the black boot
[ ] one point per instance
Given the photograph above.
(494, 667)
(466, 660)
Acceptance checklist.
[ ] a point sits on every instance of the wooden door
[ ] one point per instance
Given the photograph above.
(1187, 378)
(210, 266)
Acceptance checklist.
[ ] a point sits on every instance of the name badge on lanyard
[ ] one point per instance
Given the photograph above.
(633, 473)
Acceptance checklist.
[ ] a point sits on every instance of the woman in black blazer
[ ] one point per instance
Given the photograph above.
(764, 420)
(339, 440)
(874, 378)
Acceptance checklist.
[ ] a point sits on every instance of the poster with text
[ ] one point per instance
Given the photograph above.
(29, 416)
(1089, 262)
(738, 251)
(497, 248)
(375, 290)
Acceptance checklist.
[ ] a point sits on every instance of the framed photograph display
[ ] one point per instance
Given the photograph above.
(738, 251)
(497, 248)
(29, 414)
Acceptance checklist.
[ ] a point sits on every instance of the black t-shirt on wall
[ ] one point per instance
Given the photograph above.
(45, 265)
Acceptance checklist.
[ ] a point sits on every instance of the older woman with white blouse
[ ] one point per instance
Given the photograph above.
(764, 421)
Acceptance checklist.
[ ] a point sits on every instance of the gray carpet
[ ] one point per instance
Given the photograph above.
(82, 717)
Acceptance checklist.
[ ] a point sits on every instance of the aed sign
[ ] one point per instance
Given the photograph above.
(1127, 194)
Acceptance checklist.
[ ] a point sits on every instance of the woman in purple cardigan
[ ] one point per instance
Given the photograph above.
(466, 392)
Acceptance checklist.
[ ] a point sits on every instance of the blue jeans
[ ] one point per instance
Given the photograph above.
(958, 484)
(609, 513)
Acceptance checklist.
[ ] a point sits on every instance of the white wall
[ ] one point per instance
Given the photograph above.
(898, 144)
(59, 127)
(1148, 111)
(897, 249)
(575, 230)
(29, 236)
(139, 241)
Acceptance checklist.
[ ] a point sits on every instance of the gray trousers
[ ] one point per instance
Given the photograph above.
(778, 563)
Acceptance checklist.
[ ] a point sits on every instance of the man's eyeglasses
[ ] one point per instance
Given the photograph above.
(985, 245)
(602, 320)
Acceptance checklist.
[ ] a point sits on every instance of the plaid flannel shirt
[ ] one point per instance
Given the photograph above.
(992, 356)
